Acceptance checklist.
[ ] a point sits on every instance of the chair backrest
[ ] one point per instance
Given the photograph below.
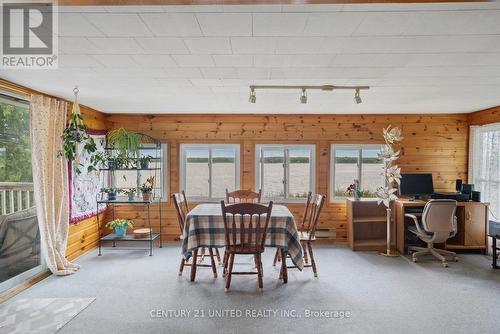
(314, 205)
(438, 215)
(245, 224)
(243, 196)
(182, 208)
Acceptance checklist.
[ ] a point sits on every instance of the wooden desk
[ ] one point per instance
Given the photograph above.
(472, 221)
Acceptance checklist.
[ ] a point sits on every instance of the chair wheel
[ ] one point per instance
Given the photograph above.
(445, 265)
(180, 273)
(414, 259)
(455, 259)
(316, 275)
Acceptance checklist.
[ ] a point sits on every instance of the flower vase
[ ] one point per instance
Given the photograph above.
(389, 251)
(121, 231)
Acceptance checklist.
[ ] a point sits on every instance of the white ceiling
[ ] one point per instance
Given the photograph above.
(418, 58)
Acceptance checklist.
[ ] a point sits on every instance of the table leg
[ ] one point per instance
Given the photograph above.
(193, 266)
(283, 266)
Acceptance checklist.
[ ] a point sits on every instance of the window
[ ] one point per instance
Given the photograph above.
(484, 165)
(356, 162)
(157, 168)
(207, 170)
(20, 256)
(285, 172)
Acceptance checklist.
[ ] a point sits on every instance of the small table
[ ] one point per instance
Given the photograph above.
(205, 228)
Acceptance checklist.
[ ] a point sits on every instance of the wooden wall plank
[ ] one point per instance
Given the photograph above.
(487, 116)
(433, 143)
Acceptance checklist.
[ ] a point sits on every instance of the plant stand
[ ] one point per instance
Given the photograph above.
(129, 236)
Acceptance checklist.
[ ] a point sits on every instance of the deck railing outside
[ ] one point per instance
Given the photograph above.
(15, 196)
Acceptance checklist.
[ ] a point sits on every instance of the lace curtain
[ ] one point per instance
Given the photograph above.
(50, 181)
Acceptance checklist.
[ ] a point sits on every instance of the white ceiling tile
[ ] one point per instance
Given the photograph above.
(213, 8)
(253, 45)
(116, 61)
(332, 24)
(251, 8)
(233, 60)
(172, 24)
(278, 24)
(307, 73)
(182, 72)
(225, 24)
(253, 73)
(162, 45)
(154, 60)
(456, 59)
(76, 45)
(372, 60)
(119, 25)
(193, 60)
(208, 45)
(77, 61)
(219, 73)
(299, 45)
(134, 9)
(312, 8)
(385, 23)
(75, 25)
(116, 45)
(293, 60)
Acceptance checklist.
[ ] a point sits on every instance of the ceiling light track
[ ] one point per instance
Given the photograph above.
(303, 97)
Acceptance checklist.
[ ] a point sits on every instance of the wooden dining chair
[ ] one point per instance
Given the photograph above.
(182, 208)
(307, 231)
(245, 233)
(243, 196)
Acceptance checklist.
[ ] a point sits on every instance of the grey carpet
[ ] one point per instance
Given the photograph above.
(39, 315)
(382, 295)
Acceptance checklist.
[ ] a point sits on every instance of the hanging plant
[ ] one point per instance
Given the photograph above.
(76, 134)
(127, 143)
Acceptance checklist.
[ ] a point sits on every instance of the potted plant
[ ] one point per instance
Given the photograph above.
(130, 193)
(111, 193)
(127, 143)
(354, 190)
(120, 226)
(147, 188)
(144, 162)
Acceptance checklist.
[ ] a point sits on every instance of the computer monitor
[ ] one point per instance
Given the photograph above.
(416, 184)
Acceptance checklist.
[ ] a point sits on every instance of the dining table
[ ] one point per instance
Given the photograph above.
(204, 227)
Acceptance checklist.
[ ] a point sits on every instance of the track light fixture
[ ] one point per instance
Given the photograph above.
(357, 98)
(252, 98)
(303, 97)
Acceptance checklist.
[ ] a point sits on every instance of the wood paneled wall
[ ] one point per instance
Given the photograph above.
(487, 116)
(436, 144)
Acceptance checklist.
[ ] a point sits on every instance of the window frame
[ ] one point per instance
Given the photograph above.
(259, 181)
(209, 147)
(359, 147)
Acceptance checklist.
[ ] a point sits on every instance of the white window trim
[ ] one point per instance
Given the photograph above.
(333, 148)
(209, 147)
(258, 168)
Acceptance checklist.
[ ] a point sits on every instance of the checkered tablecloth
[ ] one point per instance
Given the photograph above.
(205, 228)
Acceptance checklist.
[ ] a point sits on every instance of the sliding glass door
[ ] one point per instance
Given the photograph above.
(20, 255)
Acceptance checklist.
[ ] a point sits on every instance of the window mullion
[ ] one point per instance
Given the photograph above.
(286, 172)
(210, 172)
(360, 165)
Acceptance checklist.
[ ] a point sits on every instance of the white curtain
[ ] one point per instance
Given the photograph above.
(484, 165)
(50, 181)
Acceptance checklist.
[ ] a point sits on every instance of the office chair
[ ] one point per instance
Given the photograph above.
(439, 224)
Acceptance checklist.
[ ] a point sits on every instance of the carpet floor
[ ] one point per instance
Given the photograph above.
(356, 291)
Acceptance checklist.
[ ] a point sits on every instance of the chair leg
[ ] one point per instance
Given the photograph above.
(230, 271)
(181, 267)
(212, 261)
(225, 263)
(306, 259)
(439, 256)
(193, 265)
(218, 256)
(313, 262)
(202, 257)
(258, 260)
(276, 256)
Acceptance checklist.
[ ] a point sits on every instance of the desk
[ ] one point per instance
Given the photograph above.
(472, 220)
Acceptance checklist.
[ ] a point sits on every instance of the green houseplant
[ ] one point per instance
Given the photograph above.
(120, 226)
(144, 162)
(125, 142)
(147, 187)
(111, 192)
(129, 192)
